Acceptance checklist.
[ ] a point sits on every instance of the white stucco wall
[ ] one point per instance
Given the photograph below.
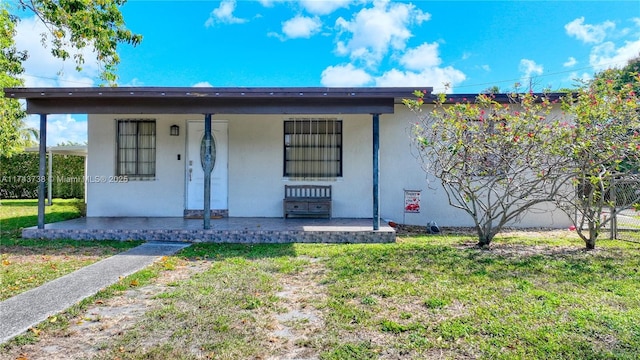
(256, 184)
(162, 196)
(400, 169)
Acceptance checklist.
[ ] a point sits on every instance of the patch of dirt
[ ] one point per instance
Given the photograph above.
(91, 331)
(417, 230)
(299, 321)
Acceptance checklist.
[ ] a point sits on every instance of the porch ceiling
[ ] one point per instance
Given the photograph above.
(189, 100)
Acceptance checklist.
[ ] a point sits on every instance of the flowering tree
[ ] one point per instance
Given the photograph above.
(604, 146)
(496, 161)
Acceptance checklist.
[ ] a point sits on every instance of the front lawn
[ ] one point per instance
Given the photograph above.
(18, 214)
(530, 296)
(424, 297)
(26, 264)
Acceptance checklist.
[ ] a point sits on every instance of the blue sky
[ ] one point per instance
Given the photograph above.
(470, 45)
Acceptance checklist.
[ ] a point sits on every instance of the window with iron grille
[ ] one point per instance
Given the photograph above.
(136, 148)
(313, 148)
(484, 157)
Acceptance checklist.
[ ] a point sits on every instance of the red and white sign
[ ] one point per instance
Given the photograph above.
(412, 201)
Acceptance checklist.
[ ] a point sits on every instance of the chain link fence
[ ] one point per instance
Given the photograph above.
(626, 224)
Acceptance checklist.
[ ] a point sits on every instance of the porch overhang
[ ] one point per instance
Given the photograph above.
(208, 101)
(163, 100)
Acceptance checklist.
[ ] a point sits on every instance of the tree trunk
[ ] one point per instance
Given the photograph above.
(483, 243)
(484, 238)
(590, 242)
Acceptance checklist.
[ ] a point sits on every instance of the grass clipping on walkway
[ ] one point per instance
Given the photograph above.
(424, 297)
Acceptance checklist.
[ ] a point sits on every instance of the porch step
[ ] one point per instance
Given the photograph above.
(224, 230)
(199, 214)
(217, 236)
(196, 217)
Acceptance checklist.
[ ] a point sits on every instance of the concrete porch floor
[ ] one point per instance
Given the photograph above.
(224, 230)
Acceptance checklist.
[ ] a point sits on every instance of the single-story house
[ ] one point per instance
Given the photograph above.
(149, 147)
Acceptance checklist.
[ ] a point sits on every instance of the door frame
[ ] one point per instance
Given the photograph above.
(186, 163)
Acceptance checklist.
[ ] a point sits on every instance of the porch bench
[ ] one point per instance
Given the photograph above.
(307, 200)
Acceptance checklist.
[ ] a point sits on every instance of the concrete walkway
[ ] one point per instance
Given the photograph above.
(25, 310)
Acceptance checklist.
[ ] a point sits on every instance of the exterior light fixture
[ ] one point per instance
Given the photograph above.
(174, 130)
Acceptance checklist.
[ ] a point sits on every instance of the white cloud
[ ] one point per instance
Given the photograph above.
(529, 67)
(135, 82)
(315, 7)
(344, 76)
(202, 84)
(575, 77)
(421, 68)
(323, 7)
(606, 55)
(62, 128)
(436, 77)
(422, 57)
(485, 67)
(270, 3)
(571, 61)
(223, 14)
(587, 33)
(43, 69)
(301, 27)
(372, 32)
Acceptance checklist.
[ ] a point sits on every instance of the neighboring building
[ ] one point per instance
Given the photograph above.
(146, 148)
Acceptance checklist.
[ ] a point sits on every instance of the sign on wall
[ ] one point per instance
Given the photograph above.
(412, 201)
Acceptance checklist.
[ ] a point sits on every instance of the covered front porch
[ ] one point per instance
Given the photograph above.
(150, 180)
(223, 230)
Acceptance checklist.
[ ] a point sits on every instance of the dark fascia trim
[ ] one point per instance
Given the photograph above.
(208, 105)
(502, 98)
(235, 100)
(212, 92)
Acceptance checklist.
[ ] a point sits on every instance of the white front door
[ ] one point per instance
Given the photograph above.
(195, 171)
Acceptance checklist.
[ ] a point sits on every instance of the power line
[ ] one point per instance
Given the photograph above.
(549, 74)
(492, 83)
(57, 79)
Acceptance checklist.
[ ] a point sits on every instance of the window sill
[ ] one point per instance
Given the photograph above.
(140, 178)
(323, 179)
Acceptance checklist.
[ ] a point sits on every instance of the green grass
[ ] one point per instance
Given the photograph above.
(27, 263)
(18, 214)
(422, 297)
(221, 313)
(482, 304)
(59, 323)
(629, 235)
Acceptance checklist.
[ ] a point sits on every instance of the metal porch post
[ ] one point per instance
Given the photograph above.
(207, 171)
(42, 169)
(50, 177)
(376, 171)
